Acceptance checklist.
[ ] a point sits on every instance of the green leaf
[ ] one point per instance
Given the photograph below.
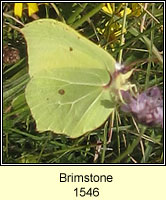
(68, 92)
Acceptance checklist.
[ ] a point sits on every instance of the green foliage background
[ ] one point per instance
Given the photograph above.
(130, 142)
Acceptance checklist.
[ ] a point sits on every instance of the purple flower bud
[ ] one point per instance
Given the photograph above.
(146, 107)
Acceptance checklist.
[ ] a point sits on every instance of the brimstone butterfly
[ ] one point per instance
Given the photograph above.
(72, 88)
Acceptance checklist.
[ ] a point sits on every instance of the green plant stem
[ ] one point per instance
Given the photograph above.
(58, 13)
(117, 132)
(123, 31)
(144, 39)
(87, 16)
(104, 142)
(70, 149)
(73, 17)
(130, 148)
(42, 150)
(150, 54)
